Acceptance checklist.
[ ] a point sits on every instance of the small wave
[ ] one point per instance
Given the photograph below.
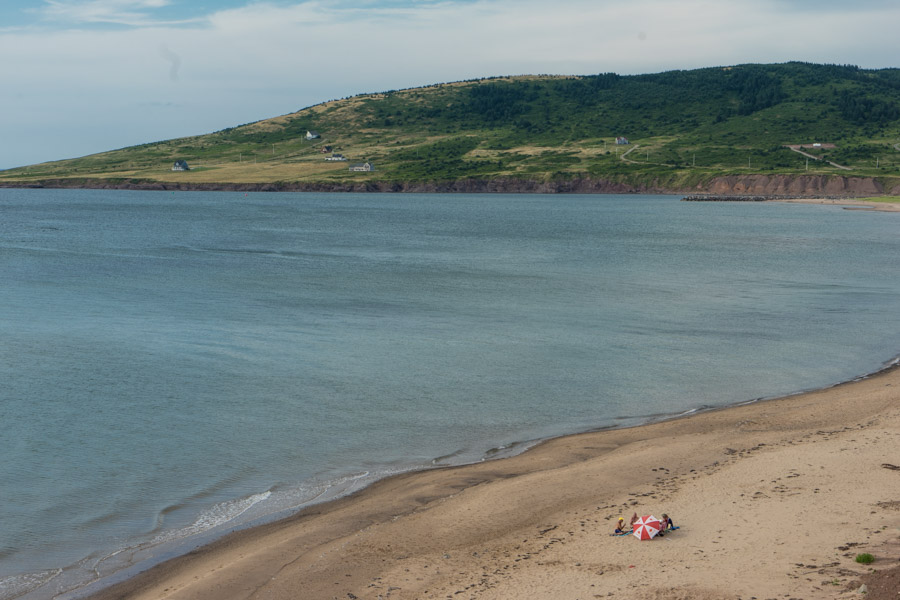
(447, 458)
(278, 501)
(291, 254)
(695, 410)
(19, 585)
(218, 515)
(335, 488)
(510, 449)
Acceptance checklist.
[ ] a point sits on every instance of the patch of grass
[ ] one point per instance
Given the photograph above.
(865, 558)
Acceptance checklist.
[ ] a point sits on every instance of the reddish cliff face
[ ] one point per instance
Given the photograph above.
(730, 185)
(797, 185)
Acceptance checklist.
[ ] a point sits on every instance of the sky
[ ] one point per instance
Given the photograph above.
(84, 76)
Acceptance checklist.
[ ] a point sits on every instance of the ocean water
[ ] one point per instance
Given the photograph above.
(175, 365)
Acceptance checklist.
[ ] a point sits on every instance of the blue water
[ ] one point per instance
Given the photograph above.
(175, 365)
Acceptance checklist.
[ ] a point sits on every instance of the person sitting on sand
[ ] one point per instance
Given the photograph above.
(666, 522)
(620, 527)
(634, 518)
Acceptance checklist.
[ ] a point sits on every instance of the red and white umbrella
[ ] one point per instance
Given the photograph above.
(646, 527)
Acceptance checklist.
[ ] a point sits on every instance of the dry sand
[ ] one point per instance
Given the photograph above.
(774, 500)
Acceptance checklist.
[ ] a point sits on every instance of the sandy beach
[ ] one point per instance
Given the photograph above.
(848, 203)
(774, 499)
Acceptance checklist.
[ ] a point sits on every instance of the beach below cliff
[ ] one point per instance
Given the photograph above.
(773, 499)
(848, 203)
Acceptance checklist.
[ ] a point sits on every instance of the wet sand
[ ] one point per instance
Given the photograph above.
(774, 499)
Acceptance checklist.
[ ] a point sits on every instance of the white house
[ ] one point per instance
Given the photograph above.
(364, 167)
(181, 165)
(312, 135)
(336, 157)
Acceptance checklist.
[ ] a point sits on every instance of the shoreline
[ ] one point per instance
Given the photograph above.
(477, 530)
(734, 187)
(847, 203)
(506, 186)
(465, 186)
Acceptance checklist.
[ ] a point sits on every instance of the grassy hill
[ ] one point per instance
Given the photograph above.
(684, 128)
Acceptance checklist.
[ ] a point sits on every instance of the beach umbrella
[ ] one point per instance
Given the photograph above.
(646, 527)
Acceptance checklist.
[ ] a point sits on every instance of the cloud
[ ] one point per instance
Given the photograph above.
(263, 59)
(423, 42)
(134, 13)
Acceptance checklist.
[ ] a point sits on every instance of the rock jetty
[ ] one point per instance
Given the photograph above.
(757, 197)
(720, 198)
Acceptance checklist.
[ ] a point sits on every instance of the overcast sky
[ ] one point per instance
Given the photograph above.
(84, 76)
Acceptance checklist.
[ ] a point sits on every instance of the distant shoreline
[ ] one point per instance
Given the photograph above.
(473, 186)
(850, 203)
(480, 186)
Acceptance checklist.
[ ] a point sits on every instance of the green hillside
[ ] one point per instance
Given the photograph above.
(683, 128)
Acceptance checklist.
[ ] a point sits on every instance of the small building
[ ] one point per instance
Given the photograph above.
(336, 157)
(622, 141)
(364, 167)
(325, 149)
(181, 165)
(313, 135)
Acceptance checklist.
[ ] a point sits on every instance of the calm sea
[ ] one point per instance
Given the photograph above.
(173, 365)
